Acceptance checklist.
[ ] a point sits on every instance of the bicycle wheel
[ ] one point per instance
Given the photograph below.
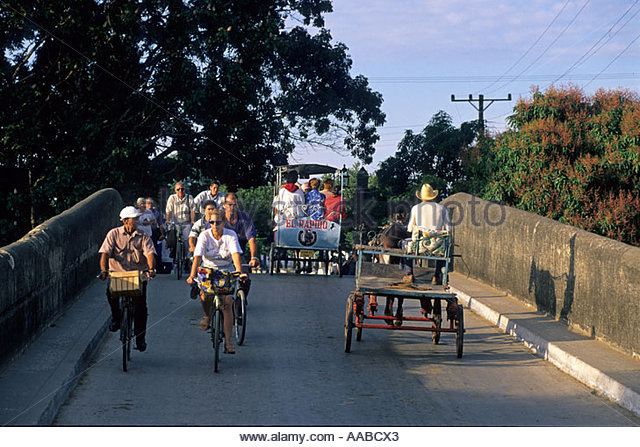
(178, 260)
(240, 316)
(125, 337)
(216, 336)
(348, 324)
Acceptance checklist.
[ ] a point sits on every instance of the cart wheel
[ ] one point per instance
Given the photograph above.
(437, 323)
(358, 330)
(459, 331)
(326, 262)
(272, 260)
(348, 324)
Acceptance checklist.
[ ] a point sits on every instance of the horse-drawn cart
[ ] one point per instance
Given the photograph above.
(377, 279)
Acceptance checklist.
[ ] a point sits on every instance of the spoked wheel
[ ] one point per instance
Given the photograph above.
(459, 331)
(359, 329)
(326, 262)
(272, 258)
(216, 337)
(348, 324)
(240, 316)
(125, 337)
(178, 260)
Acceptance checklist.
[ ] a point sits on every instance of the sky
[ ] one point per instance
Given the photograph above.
(418, 53)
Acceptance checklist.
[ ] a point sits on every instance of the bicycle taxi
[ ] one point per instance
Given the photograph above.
(305, 240)
(376, 279)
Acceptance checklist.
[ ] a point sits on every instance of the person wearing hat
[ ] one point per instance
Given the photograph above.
(425, 217)
(127, 249)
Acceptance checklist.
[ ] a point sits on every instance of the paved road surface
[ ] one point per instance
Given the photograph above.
(292, 370)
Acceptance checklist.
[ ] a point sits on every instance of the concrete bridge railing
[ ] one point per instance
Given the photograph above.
(41, 274)
(589, 281)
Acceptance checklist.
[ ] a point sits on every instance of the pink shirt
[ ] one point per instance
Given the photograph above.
(127, 251)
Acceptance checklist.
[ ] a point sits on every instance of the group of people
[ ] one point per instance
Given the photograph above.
(217, 233)
(214, 231)
(307, 200)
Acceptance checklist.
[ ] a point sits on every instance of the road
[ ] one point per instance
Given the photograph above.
(293, 370)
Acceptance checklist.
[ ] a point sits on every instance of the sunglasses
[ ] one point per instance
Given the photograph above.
(230, 204)
(215, 222)
(179, 189)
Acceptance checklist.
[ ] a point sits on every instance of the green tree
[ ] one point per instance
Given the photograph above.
(131, 94)
(574, 158)
(432, 156)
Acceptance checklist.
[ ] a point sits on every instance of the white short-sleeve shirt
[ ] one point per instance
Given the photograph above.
(217, 253)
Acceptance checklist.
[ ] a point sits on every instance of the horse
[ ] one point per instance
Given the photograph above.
(391, 237)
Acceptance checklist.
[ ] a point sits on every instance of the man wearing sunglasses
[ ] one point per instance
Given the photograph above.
(181, 211)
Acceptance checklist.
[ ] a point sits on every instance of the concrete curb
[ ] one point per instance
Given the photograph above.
(563, 360)
(35, 385)
(58, 398)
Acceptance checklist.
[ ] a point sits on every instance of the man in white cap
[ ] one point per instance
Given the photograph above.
(126, 249)
(424, 218)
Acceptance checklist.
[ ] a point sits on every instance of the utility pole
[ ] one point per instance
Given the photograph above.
(481, 105)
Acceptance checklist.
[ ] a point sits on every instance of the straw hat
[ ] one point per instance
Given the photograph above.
(427, 192)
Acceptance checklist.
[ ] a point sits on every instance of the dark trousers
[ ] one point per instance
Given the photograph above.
(139, 312)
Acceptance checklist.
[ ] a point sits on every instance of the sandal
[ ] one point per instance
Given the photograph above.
(204, 323)
(229, 350)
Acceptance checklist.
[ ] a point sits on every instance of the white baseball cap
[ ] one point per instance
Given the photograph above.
(129, 211)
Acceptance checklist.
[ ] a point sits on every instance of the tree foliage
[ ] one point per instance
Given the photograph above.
(574, 158)
(106, 93)
(432, 156)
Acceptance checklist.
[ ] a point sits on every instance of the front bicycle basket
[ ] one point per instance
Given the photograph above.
(125, 283)
(212, 281)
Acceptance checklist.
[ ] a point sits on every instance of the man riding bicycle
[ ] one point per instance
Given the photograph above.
(181, 211)
(127, 249)
(241, 223)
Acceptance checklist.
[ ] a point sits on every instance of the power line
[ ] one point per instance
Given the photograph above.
(614, 59)
(584, 57)
(548, 46)
(530, 48)
(480, 78)
(481, 105)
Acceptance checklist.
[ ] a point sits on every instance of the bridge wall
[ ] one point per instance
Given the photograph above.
(589, 281)
(41, 274)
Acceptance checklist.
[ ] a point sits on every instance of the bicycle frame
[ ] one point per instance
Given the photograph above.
(216, 310)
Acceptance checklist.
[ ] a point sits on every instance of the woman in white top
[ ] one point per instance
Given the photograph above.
(217, 248)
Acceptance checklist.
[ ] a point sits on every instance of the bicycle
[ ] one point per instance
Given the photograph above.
(180, 259)
(126, 286)
(214, 284)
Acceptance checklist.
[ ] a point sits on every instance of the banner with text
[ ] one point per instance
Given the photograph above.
(306, 233)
